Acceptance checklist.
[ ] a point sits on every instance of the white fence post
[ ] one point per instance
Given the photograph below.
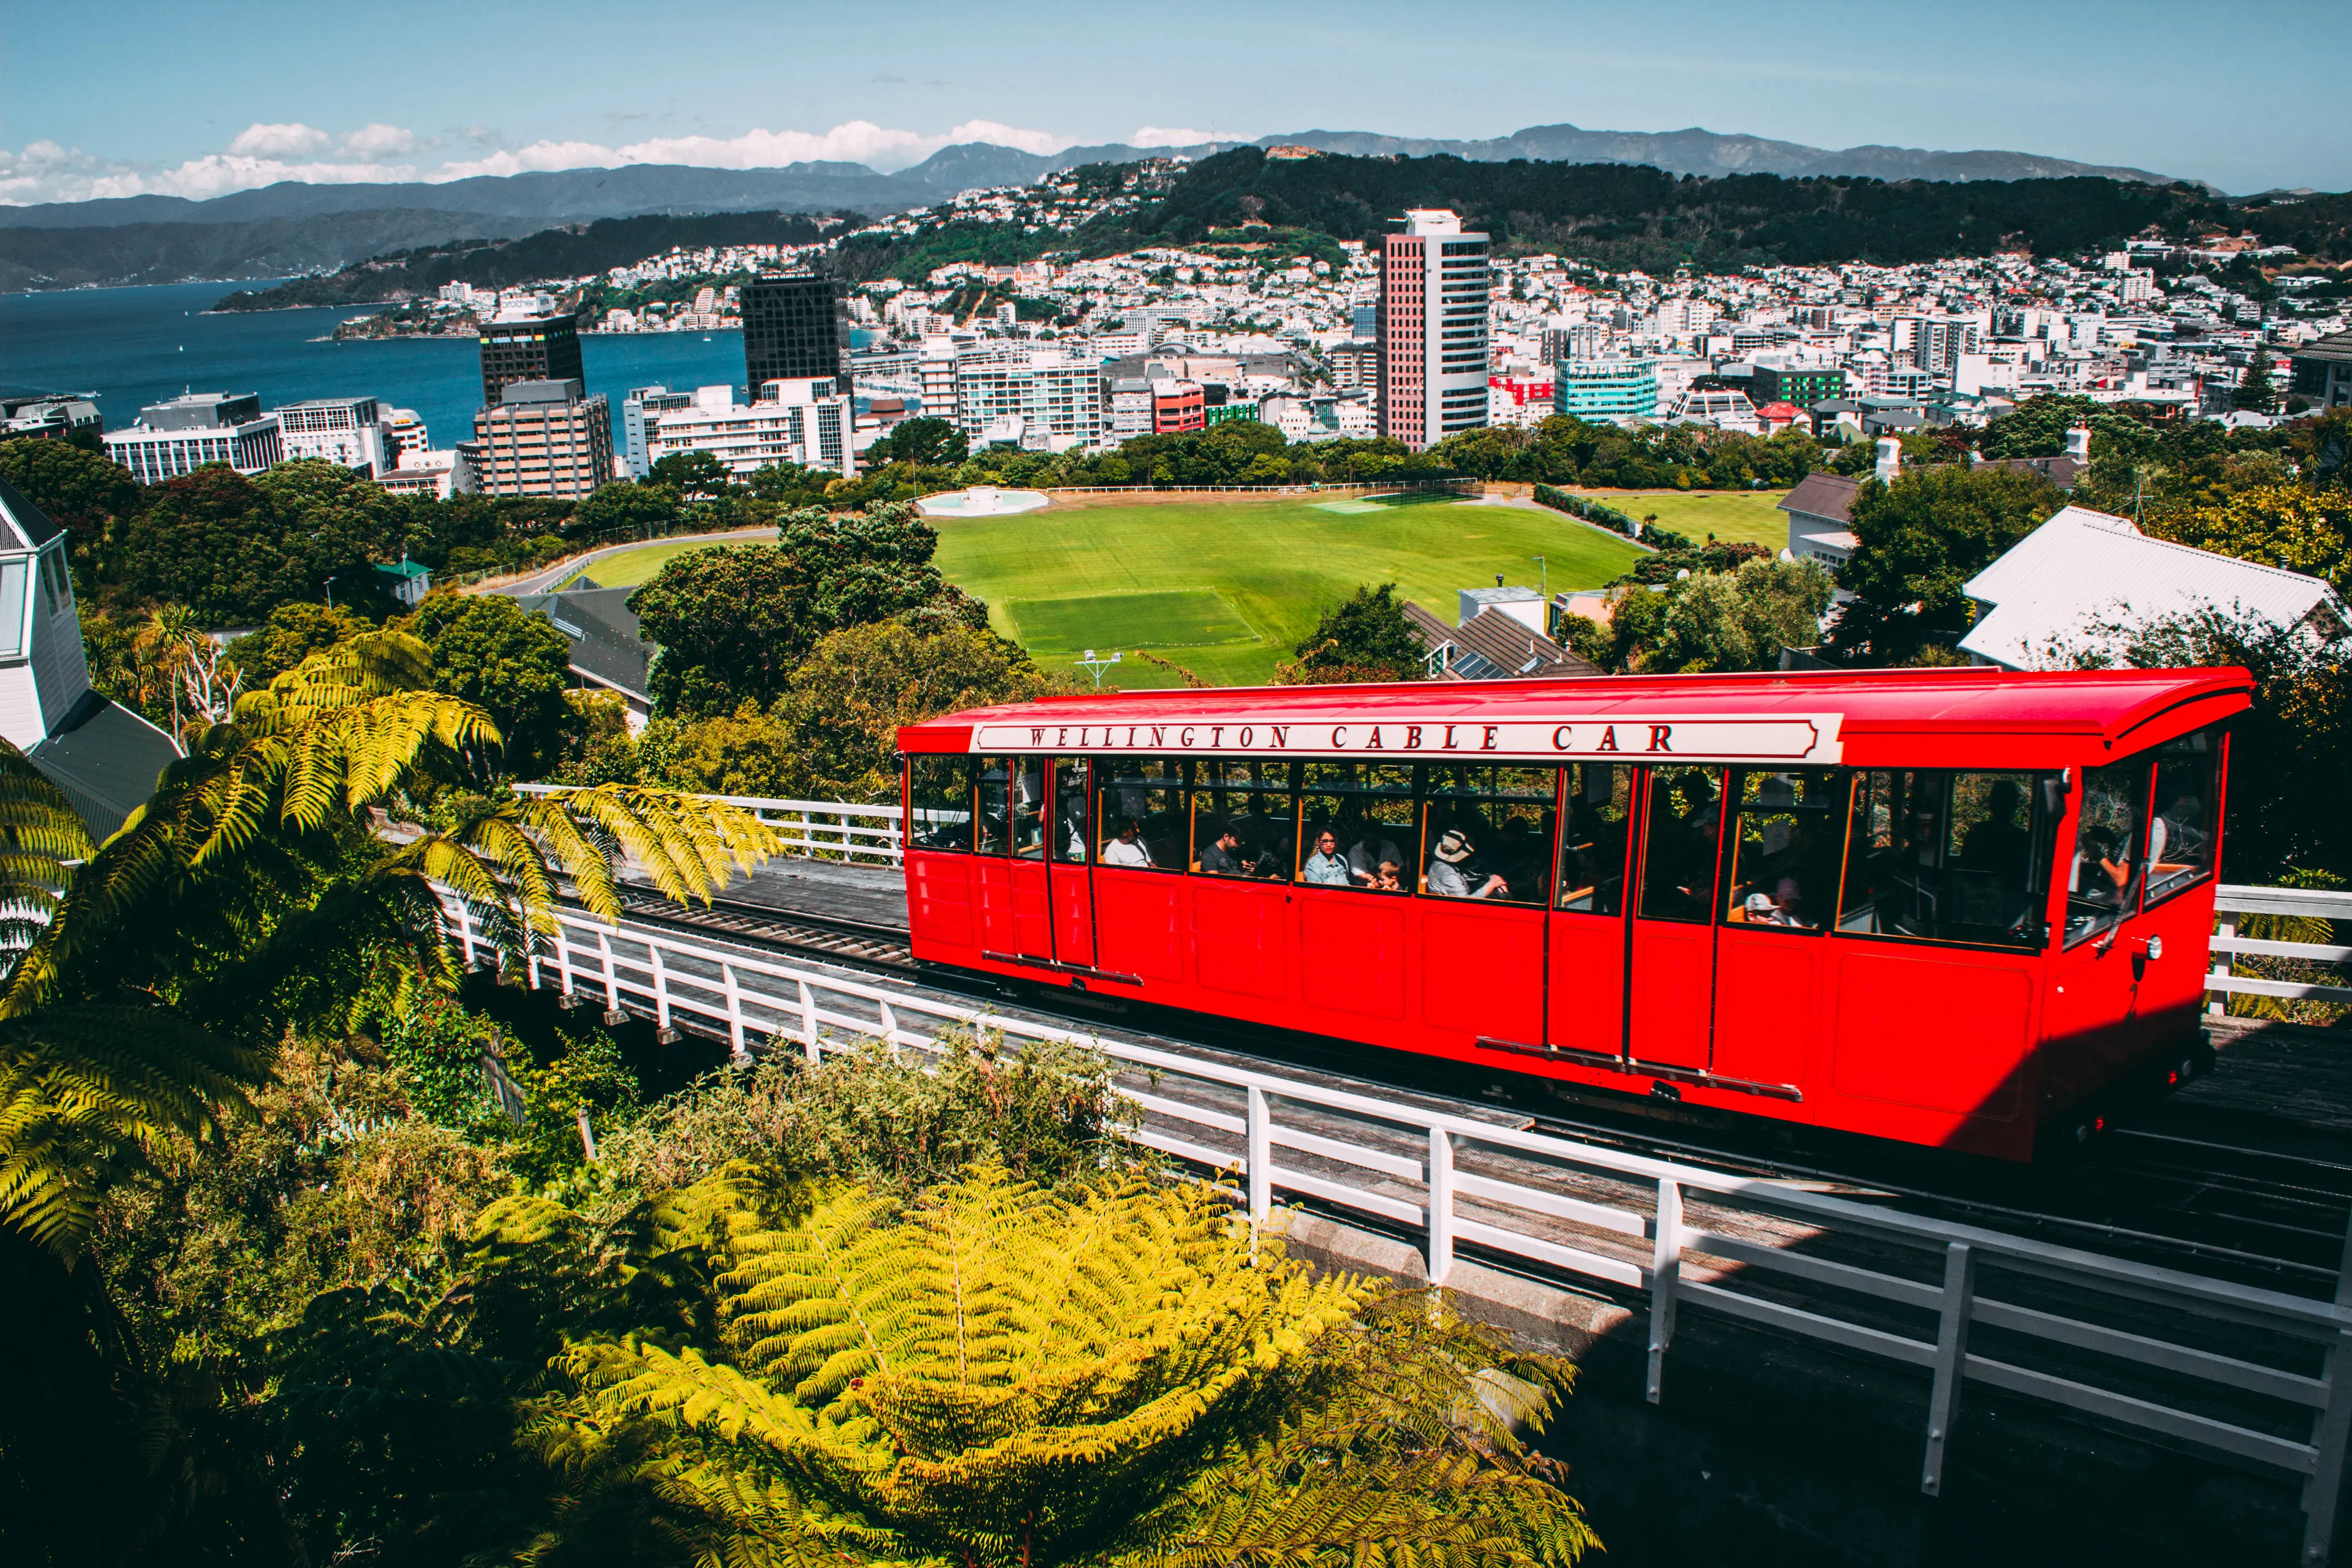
(737, 1053)
(2323, 1488)
(1441, 1205)
(465, 934)
(563, 960)
(890, 1029)
(661, 984)
(1260, 1157)
(613, 1014)
(808, 1022)
(1951, 1358)
(1666, 1273)
(2220, 1005)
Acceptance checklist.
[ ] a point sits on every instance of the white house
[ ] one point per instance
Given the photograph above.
(2084, 581)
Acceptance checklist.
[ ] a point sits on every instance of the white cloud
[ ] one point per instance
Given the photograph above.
(379, 141)
(264, 155)
(260, 141)
(1162, 136)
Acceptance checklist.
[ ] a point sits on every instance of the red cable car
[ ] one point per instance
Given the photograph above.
(1947, 907)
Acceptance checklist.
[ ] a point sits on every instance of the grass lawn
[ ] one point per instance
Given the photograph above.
(631, 567)
(1225, 588)
(1746, 517)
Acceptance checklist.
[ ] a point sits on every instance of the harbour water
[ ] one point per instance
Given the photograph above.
(136, 346)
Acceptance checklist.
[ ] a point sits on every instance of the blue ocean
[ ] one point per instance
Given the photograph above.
(136, 346)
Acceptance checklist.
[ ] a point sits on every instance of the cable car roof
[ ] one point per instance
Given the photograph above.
(1974, 716)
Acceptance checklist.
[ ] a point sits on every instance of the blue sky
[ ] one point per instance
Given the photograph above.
(111, 98)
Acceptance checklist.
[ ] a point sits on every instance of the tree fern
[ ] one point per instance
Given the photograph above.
(999, 1375)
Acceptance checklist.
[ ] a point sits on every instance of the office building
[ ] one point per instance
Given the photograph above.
(1355, 367)
(1056, 397)
(1935, 344)
(1130, 407)
(796, 329)
(50, 418)
(639, 410)
(349, 432)
(794, 422)
(1603, 390)
(528, 348)
(407, 434)
(1578, 340)
(1434, 282)
(820, 416)
(1803, 385)
(543, 439)
(185, 433)
(2323, 371)
(1177, 407)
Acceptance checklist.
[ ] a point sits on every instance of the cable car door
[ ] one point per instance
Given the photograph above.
(1585, 988)
(1670, 968)
(1068, 887)
(1016, 919)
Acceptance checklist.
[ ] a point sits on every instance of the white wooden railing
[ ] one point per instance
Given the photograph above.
(2308, 903)
(816, 829)
(1918, 1291)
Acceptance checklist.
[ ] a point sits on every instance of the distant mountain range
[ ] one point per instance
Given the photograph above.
(278, 228)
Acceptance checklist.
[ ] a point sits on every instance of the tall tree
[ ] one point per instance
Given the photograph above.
(514, 665)
(2255, 393)
(1919, 541)
(1365, 636)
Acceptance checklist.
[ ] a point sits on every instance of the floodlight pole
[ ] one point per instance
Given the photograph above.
(1545, 567)
(1095, 665)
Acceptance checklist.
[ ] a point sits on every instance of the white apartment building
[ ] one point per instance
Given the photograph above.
(1057, 396)
(407, 434)
(639, 409)
(190, 431)
(349, 432)
(792, 424)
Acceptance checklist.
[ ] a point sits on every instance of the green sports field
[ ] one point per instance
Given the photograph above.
(1745, 516)
(1226, 588)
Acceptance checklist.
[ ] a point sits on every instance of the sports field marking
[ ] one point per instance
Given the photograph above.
(1185, 618)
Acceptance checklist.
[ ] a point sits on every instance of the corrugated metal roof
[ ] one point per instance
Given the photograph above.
(2084, 579)
(106, 759)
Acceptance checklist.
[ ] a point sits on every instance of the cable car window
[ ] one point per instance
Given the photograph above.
(1592, 844)
(939, 802)
(1678, 846)
(992, 818)
(2180, 834)
(1487, 831)
(1066, 832)
(1936, 854)
(1244, 822)
(2110, 843)
(1788, 840)
(1139, 812)
(1368, 809)
(1029, 808)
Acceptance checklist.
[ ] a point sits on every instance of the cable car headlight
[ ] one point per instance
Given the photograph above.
(2155, 949)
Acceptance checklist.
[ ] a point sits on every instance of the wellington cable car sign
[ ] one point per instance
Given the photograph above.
(1784, 739)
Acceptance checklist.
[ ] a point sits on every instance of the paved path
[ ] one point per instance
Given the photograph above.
(543, 581)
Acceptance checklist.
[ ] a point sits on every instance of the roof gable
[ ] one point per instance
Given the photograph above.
(1823, 495)
(23, 525)
(2084, 579)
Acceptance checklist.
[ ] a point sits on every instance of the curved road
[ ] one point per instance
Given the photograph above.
(542, 582)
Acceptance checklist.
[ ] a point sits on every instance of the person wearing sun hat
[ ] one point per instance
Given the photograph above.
(1446, 877)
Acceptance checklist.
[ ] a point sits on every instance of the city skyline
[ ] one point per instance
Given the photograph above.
(747, 84)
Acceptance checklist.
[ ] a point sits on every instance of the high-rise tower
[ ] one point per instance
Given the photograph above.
(796, 329)
(1433, 330)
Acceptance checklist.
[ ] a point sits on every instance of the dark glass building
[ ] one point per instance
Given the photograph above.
(533, 349)
(795, 329)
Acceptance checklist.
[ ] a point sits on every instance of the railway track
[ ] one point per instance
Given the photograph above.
(2264, 1215)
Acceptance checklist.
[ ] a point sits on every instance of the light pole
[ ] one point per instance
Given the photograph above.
(1095, 666)
(1545, 567)
(331, 593)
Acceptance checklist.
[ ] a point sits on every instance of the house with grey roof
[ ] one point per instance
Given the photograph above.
(608, 652)
(102, 756)
(1821, 518)
(2085, 581)
(1499, 638)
